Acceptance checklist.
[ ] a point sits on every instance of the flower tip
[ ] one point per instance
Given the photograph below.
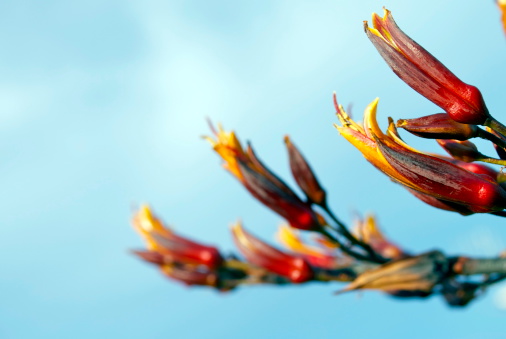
(336, 105)
(366, 26)
(401, 123)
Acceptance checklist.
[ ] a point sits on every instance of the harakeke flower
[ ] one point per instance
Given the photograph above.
(177, 257)
(304, 175)
(424, 73)
(171, 246)
(429, 175)
(264, 185)
(263, 255)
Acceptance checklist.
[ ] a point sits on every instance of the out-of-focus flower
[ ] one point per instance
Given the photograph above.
(368, 231)
(438, 126)
(263, 255)
(424, 73)
(415, 274)
(502, 8)
(304, 175)
(461, 150)
(264, 185)
(317, 257)
(166, 247)
(429, 175)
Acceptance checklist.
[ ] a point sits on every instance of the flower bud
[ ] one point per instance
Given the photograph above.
(438, 126)
(304, 175)
(424, 73)
(461, 150)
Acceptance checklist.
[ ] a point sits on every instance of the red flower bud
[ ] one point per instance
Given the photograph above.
(424, 73)
(438, 126)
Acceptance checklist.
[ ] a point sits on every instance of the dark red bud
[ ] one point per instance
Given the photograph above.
(438, 126)
(461, 150)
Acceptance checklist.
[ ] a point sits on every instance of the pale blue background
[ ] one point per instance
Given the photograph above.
(102, 105)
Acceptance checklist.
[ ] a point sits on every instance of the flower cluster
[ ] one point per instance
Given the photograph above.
(319, 247)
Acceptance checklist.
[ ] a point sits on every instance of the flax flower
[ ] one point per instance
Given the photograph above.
(264, 185)
(428, 175)
(424, 73)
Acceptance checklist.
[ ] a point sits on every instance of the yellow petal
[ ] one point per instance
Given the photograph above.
(148, 225)
(290, 238)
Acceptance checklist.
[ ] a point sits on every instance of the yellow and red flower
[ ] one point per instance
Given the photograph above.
(178, 257)
(432, 176)
(264, 185)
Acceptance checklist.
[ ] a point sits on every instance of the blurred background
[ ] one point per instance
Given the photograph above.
(102, 108)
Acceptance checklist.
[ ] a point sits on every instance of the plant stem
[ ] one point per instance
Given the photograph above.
(491, 137)
(471, 266)
(492, 160)
(347, 250)
(496, 126)
(343, 230)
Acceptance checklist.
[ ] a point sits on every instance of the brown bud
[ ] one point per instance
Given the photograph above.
(304, 176)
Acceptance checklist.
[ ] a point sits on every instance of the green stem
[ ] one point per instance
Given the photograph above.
(347, 250)
(343, 230)
(492, 161)
(496, 126)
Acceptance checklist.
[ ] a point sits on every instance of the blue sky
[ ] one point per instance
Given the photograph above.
(102, 105)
